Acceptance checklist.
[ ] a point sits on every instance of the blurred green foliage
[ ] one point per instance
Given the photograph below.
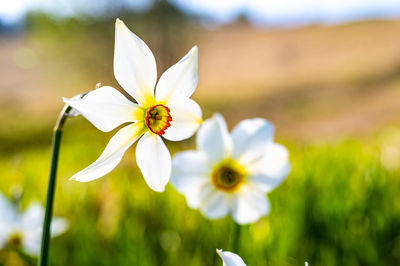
(339, 206)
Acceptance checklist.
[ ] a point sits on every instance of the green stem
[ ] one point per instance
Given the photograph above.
(236, 238)
(57, 133)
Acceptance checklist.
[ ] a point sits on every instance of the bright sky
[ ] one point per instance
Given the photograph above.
(278, 12)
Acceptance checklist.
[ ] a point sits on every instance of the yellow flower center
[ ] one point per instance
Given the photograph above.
(15, 240)
(228, 175)
(158, 119)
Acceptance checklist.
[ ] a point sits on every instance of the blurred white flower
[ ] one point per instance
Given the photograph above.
(230, 259)
(24, 230)
(230, 173)
(169, 112)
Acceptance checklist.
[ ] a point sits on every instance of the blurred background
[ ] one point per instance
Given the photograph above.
(326, 73)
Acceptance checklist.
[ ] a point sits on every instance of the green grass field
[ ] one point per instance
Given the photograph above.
(338, 206)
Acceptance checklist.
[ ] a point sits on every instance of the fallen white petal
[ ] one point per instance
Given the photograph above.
(112, 154)
(106, 108)
(154, 160)
(250, 138)
(230, 259)
(186, 118)
(134, 64)
(213, 138)
(180, 80)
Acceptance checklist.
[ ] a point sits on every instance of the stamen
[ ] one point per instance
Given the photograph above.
(15, 240)
(228, 175)
(158, 119)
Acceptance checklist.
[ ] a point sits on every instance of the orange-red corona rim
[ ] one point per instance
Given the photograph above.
(158, 119)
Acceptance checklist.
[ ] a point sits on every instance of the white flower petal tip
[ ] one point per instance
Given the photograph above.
(112, 154)
(230, 259)
(78, 180)
(120, 25)
(134, 64)
(193, 55)
(180, 80)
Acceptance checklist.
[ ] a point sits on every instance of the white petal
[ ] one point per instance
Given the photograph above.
(134, 64)
(32, 246)
(230, 259)
(217, 205)
(180, 80)
(31, 227)
(250, 205)
(8, 215)
(8, 212)
(190, 163)
(213, 138)
(190, 176)
(112, 154)
(32, 218)
(250, 138)
(154, 160)
(106, 108)
(270, 170)
(58, 226)
(186, 119)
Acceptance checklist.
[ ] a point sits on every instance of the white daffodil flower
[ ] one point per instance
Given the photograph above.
(230, 173)
(166, 112)
(24, 230)
(230, 259)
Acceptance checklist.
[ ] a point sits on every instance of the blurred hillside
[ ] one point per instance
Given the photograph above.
(314, 83)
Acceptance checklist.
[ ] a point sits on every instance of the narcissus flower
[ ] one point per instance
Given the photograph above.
(23, 231)
(230, 259)
(230, 173)
(166, 112)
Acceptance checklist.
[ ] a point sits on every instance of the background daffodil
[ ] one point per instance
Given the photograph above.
(230, 173)
(166, 112)
(23, 231)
